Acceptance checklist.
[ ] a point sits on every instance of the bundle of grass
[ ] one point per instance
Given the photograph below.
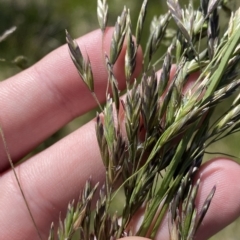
(153, 139)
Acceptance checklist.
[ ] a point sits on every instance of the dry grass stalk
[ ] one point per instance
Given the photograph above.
(7, 33)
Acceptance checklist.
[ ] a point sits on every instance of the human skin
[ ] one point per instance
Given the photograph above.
(40, 100)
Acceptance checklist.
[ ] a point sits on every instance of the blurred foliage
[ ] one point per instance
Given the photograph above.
(41, 28)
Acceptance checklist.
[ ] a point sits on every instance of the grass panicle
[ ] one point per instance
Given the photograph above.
(153, 140)
(77, 217)
(184, 218)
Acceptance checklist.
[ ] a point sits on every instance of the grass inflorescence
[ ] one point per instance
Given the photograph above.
(153, 140)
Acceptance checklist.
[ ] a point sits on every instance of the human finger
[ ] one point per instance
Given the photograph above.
(40, 100)
(49, 180)
(224, 208)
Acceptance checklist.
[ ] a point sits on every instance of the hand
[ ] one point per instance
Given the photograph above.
(40, 100)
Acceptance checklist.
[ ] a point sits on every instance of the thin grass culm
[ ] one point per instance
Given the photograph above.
(153, 140)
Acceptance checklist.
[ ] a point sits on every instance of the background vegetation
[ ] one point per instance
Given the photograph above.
(40, 29)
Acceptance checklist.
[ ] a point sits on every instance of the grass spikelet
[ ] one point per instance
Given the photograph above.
(158, 34)
(149, 100)
(113, 82)
(102, 13)
(130, 56)
(83, 66)
(118, 36)
(140, 22)
(165, 74)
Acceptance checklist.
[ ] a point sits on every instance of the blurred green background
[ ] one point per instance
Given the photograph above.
(41, 28)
